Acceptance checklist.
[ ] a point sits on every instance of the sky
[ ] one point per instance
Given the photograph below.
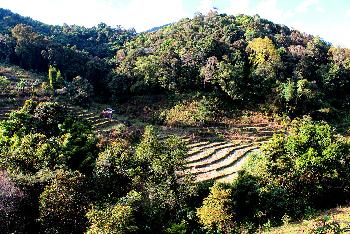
(329, 19)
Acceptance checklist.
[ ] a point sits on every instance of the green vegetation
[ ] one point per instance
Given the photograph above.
(191, 112)
(247, 60)
(294, 176)
(215, 212)
(282, 69)
(332, 221)
(54, 159)
(55, 78)
(232, 148)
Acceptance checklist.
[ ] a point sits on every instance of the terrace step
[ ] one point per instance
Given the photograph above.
(226, 168)
(207, 153)
(198, 149)
(217, 157)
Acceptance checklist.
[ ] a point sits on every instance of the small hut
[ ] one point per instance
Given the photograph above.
(107, 113)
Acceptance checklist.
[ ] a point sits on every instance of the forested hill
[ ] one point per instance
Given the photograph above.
(245, 59)
(10, 20)
(211, 86)
(74, 50)
(101, 41)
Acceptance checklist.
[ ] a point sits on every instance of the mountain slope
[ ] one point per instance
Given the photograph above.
(248, 60)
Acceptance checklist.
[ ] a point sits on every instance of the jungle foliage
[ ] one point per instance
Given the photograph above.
(247, 59)
(56, 176)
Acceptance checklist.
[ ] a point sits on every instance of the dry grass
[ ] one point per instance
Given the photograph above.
(253, 118)
(16, 73)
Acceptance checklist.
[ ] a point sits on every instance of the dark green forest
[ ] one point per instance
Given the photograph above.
(57, 175)
(247, 60)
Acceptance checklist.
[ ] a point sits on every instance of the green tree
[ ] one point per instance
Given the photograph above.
(309, 165)
(216, 211)
(80, 91)
(4, 83)
(30, 153)
(265, 62)
(29, 46)
(118, 219)
(21, 85)
(263, 52)
(55, 78)
(158, 194)
(63, 204)
(43, 135)
(227, 74)
(111, 175)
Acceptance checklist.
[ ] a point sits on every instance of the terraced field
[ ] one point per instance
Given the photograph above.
(100, 124)
(13, 95)
(214, 152)
(220, 158)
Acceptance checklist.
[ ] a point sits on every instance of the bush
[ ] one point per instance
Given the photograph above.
(295, 172)
(55, 78)
(310, 162)
(36, 117)
(80, 91)
(177, 228)
(4, 83)
(110, 174)
(11, 202)
(194, 112)
(327, 225)
(42, 135)
(216, 212)
(63, 204)
(155, 179)
(30, 153)
(116, 219)
(246, 197)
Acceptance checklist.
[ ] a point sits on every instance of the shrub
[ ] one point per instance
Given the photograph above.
(163, 157)
(30, 153)
(78, 145)
(36, 117)
(116, 219)
(63, 204)
(194, 112)
(43, 135)
(55, 78)
(310, 162)
(177, 228)
(4, 83)
(327, 225)
(295, 172)
(246, 197)
(154, 177)
(11, 202)
(216, 212)
(80, 91)
(110, 174)
(47, 116)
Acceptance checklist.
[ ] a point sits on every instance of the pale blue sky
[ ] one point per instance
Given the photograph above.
(329, 19)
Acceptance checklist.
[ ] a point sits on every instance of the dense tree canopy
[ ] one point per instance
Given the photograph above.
(74, 50)
(245, 58)
(248, 59)
(57, 176)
